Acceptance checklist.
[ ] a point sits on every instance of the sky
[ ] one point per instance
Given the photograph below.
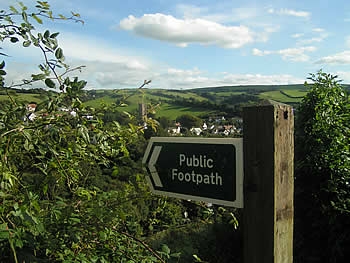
(182, 44)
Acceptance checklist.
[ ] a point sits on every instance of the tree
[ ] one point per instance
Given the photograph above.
(50, 211)
(189, 121)
(64, 193)
(323, 171)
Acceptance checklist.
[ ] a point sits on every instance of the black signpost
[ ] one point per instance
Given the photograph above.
(201, 169)
(211, 170)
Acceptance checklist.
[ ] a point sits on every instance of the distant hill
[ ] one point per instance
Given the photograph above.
(202, 102)
(245, 88)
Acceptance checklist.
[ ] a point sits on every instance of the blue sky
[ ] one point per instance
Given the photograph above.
(193, 43)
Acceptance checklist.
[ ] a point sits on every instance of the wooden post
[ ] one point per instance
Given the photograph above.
(268, 145)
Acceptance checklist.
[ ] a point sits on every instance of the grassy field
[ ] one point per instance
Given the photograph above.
(276, 95)
(163, 105)
(168, 102)
(23, 97)
(173, 111)
(295, 93)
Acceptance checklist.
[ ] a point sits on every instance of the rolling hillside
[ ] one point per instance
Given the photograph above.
(200, 101)
(172, 103)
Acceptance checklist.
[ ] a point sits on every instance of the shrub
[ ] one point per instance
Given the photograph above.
(322, 185)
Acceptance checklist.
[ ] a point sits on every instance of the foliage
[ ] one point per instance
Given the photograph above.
(322, 183)
(216, 237)
(189, 121)
(71, 184)
(55, 203)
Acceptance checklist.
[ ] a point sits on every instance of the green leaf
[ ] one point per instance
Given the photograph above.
(2, 64)
(37, 18)
(27, 43)
(84, 132)
(18, 243)
(59, 53)
(53, 35)
(49, 13)
(165, 249)
(75, 14)
(2, 72)
(47, 34)
(24, 8)
(14, 39)
(3, 227)
(13, 9)
(67, 81)
(38, 76)
(197, 258)
(43, 5)
(25, 17)
(74, 220)
(4, 235)
(50, 83)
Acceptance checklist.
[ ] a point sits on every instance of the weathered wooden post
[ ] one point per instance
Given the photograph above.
(268, 146)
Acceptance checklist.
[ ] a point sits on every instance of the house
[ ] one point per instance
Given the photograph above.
(31, 107)
(197, 131)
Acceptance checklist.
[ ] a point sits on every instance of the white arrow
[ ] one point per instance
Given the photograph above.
(152, 168)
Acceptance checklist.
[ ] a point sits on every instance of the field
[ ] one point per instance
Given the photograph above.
(22, 97)
(172, 103)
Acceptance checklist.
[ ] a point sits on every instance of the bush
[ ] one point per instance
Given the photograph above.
(322, 175)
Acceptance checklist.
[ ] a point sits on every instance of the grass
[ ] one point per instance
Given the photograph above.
(96, 103)
(227, 93)
(278, 96)
(173, 111)
(295, 93)
(166, 99)
(23, 97)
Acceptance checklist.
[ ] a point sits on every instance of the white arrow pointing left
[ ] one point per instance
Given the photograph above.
(152, 168)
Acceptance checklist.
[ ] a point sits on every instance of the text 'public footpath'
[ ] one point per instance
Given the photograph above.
(195, 161)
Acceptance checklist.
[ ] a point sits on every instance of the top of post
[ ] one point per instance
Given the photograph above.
(269, 103)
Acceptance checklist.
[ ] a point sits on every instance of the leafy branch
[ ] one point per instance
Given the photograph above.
(46, 42)
(144, 245)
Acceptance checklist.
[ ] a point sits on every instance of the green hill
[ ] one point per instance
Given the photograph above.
(171, 103)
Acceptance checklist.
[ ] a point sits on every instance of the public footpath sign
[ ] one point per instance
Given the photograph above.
(201, 169)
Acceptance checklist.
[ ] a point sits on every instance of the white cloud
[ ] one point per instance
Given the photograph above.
(289, 12)
(223, 13)
(318, 29)
(105, 66)
(311, 40)
(344, 76)
(219, 13)
(259, 79)
(194, 78)
(186, 31)
(260, 53)
(190, 11)
(317, 36)
(181, 72)
(338, 58)
(102, 52)
(174, 78)
(296, 54)
(289, 54)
